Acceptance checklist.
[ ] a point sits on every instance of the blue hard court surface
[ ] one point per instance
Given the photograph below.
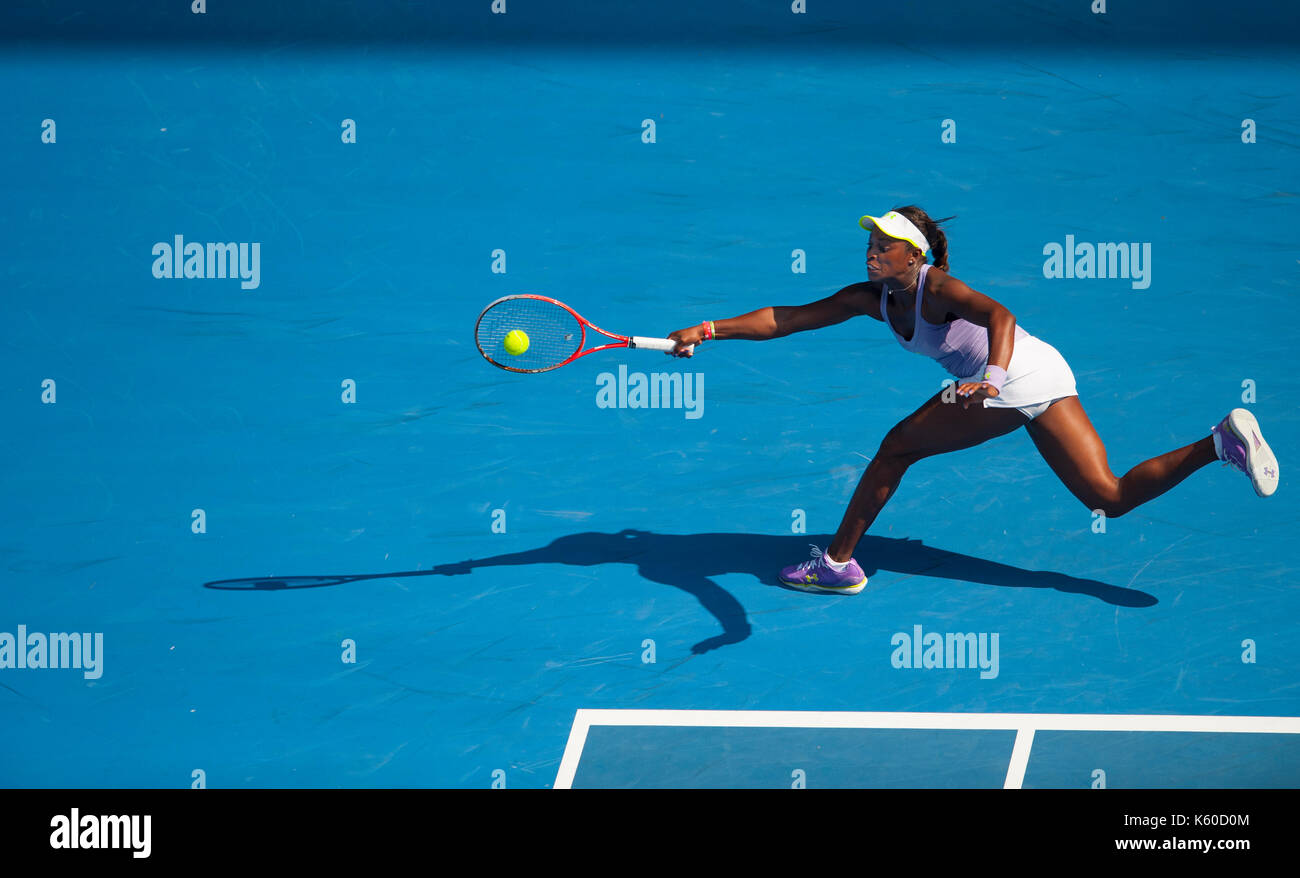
(474, 648)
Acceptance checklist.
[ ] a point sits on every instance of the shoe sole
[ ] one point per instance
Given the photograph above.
(821, 589)
(1261, 464)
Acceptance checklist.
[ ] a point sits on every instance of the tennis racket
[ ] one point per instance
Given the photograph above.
(556, 334)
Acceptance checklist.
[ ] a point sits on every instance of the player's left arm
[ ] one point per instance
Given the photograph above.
(953, 295)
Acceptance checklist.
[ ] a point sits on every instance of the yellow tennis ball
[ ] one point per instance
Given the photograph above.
(516, 342)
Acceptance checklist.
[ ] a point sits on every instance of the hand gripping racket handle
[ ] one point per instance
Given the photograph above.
(655, 344)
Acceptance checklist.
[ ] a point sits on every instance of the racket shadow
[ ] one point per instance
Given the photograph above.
(690, 561)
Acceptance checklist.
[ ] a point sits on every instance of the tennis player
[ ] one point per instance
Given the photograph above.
(1006, 379)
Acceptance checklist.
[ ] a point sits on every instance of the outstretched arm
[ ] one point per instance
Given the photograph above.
(781, 320)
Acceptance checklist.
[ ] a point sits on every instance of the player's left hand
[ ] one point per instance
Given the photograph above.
(977, 392)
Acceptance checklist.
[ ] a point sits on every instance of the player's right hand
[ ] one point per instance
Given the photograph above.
(686, 338)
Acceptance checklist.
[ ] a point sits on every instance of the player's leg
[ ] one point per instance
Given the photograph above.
(1070, 445)
(935, 428)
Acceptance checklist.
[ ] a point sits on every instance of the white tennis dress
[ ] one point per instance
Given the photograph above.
(1037, 376)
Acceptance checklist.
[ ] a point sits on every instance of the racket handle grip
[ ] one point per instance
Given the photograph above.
(655, 344)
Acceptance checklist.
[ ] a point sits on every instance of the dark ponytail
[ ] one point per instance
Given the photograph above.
(930, 228)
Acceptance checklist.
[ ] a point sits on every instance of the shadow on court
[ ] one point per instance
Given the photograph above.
(687, 561)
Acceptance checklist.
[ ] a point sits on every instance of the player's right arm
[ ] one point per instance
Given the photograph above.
(781, 320)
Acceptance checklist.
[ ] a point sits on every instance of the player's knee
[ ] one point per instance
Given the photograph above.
(895, 449)
(1108, 502)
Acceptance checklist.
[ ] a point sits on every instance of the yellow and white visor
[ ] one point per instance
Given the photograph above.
(895, 225)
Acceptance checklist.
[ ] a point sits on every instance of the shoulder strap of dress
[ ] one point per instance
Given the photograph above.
(920, 290)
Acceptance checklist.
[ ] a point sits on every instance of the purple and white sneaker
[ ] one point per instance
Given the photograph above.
(1238, 443)
(816, 574)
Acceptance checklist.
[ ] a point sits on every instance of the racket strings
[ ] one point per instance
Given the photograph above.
(554, 335)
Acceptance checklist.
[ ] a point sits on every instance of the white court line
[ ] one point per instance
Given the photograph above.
(1024, 724)
(1019, 758)
(573, 751)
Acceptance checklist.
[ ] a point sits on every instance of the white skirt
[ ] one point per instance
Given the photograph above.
(1038, 376)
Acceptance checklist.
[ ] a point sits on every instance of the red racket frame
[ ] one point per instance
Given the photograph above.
(620, 341)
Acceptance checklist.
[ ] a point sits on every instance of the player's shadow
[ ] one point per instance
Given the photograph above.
(688, 561)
